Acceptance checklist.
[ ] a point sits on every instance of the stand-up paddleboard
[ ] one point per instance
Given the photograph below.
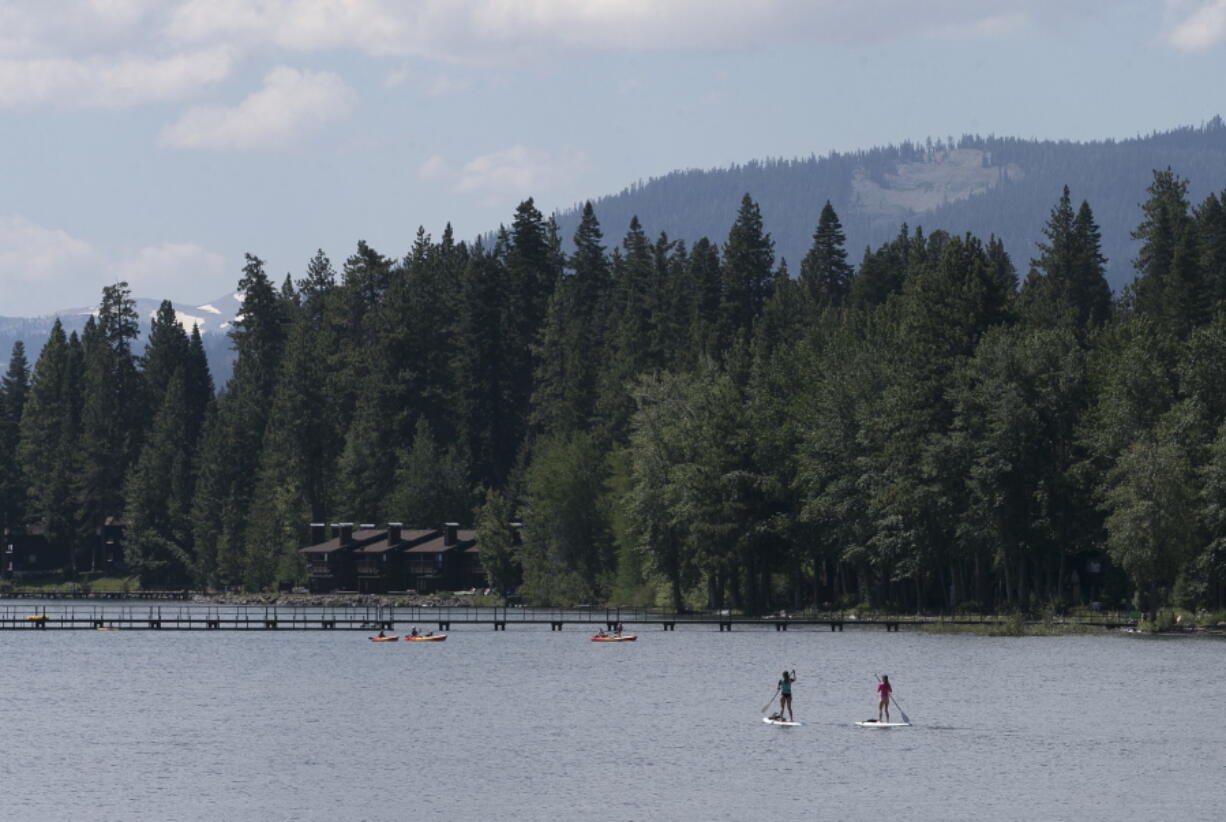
(872, 723)
(781, 722)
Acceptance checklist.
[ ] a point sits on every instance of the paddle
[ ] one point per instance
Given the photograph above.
(768, 704)
(903, 713)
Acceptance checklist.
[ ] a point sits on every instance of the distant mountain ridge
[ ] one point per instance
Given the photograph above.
(214, 319)
(998, 186)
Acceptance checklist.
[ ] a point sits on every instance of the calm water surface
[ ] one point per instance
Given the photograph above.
(535, 725)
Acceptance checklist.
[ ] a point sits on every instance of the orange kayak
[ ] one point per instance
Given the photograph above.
(391, 638)
(435, 638)
(626, 638)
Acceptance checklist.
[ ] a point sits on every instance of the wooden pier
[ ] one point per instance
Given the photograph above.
(194, 617)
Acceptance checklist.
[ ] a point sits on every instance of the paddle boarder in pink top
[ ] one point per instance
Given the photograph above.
(883, 697)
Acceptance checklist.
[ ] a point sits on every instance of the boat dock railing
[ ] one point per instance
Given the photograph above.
(185, 616)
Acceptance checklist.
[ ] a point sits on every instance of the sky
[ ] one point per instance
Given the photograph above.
(157, 141)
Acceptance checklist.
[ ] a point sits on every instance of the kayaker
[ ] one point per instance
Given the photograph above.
(414, 632)
(382, 635)
(785, 695)
(883, 697)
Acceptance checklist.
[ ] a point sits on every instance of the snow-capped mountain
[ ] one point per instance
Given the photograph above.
(214, 319)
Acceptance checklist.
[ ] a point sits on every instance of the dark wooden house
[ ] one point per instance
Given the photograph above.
(332, 563)
(373, 559)
(382, 564)
(443, 563)
(27, 552)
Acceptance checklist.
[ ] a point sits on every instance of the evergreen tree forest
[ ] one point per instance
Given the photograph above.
(688, 423)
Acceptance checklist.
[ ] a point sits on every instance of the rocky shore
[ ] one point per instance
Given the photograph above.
(402, 600)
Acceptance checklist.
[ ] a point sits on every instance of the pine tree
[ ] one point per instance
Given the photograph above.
(113, 410)
(882, 272)
(704, 276)
(572, 335)
(158, 494)
(496, 542)
(1165, 221)
(566, 553)
(748, 266)
(233, 435)
(431, 485)
(1073, 286)
(294, 477)
(483, 363)
(364, 470)
(166, 352)
(198, 386)
(1211, 225)
(825, 276)
(48, 437)
(14, 389)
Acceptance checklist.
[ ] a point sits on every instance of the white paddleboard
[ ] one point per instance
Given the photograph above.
(868, 723)
(770, 721)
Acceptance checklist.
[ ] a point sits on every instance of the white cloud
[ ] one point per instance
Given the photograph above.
(1200, 26)
(489, 30)
(168, 270)
(290, 104)
(109, 82)
(435, 168)
(515, 172)
(34, 28)
(33, 257)
(396, 77)
(442, 85)
(372, 26)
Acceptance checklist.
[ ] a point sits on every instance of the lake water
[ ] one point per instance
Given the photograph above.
(530, 724)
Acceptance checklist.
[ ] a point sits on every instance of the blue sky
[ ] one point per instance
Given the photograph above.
(158, 140)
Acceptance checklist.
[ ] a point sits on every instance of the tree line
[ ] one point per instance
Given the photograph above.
(689, 425)
(1029, 174)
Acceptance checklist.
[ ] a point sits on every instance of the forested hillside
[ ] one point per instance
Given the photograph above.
(985, 185)
(681, 423)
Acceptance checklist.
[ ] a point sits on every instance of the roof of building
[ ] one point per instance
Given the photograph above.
(440, 544)
(407, 538)
(359, 539)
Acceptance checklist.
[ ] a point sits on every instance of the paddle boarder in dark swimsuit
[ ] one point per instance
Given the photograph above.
(785, 694)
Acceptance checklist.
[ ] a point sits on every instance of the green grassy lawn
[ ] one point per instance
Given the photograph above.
(58, 584)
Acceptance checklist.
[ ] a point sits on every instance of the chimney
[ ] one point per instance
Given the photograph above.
(318, 529)
(346, 532)
(393, 532)
(452, 536)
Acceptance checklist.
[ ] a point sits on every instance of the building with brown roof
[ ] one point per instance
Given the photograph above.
(371, 559)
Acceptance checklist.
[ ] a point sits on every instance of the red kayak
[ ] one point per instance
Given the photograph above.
(626, 638)
(435, 638)
(391, 638)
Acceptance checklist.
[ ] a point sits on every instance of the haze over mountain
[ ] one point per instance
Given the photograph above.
(985, 185)
(1000, 186)
(214, 319)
